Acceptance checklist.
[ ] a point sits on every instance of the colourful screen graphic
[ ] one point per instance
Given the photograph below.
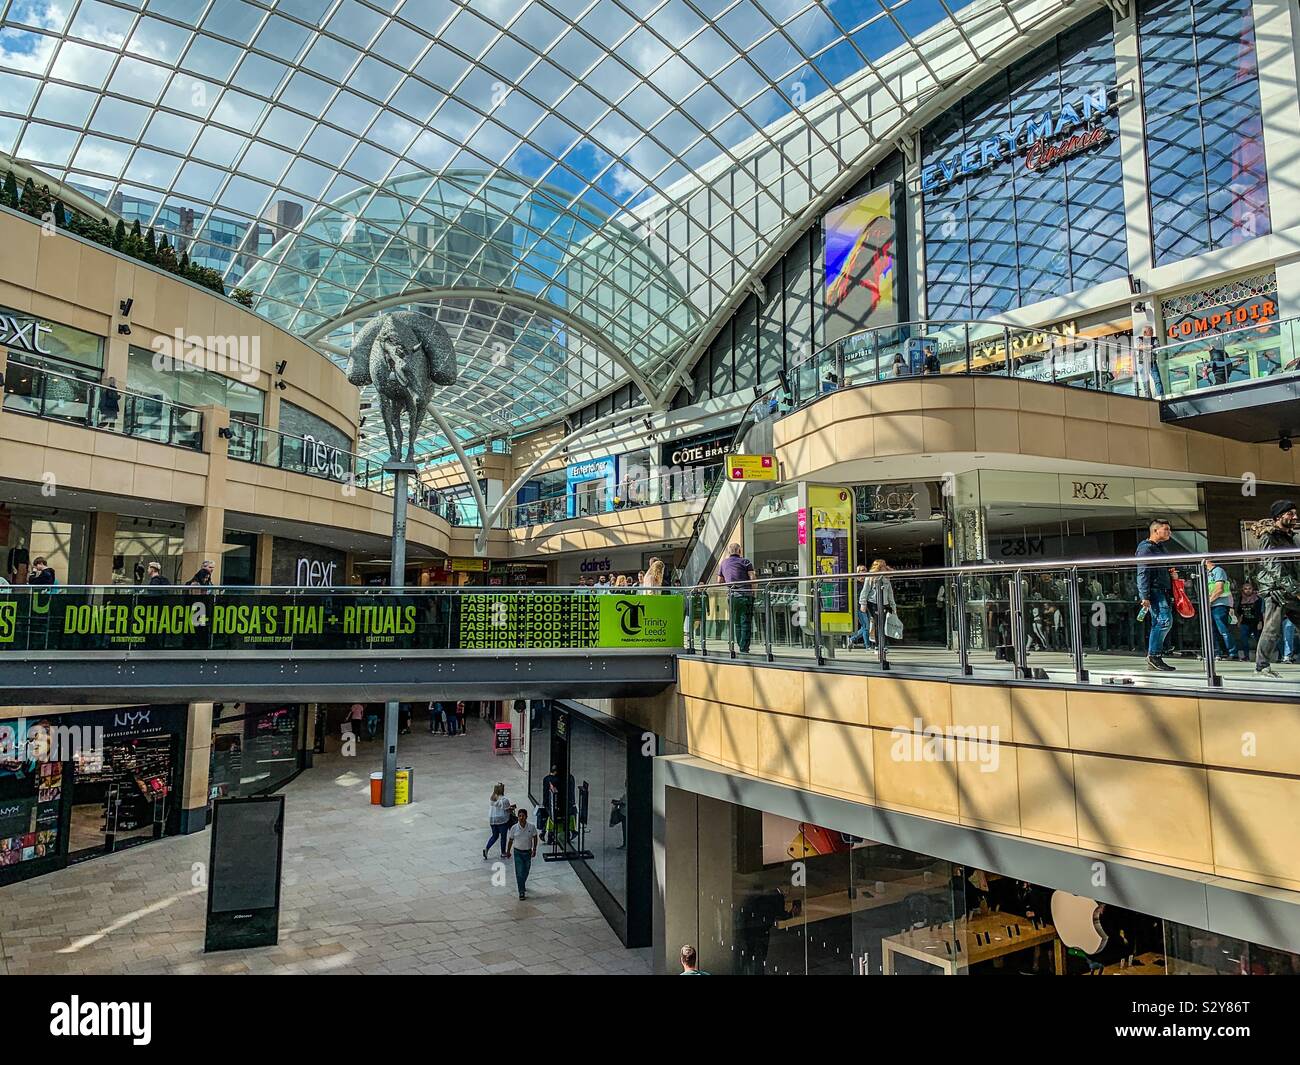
(860, 264)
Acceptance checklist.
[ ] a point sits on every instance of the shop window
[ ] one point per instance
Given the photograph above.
(299, 422)
(31, 796)
(255, 749)
(191, 386)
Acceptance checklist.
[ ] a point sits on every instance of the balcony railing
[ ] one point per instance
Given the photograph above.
(982, 348)
(1063, 622)
(931, 348)
(43, 393)
(80, 621)
(690, 483)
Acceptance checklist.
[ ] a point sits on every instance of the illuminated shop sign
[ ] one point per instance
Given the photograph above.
(707, 449)
(1045, 139)
(588, 471)
(1221, 319)
(25, 334)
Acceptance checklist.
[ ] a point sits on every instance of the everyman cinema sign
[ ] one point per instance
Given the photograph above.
(1042, 140)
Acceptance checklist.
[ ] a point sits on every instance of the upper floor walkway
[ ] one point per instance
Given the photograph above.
(166, 643)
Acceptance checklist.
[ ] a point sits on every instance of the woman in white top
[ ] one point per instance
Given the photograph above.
(500, 817)
(654, 577)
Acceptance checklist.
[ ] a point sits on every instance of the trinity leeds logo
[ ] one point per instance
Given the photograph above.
(121, 1019)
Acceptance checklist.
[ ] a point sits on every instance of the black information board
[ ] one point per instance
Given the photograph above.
(244, 873)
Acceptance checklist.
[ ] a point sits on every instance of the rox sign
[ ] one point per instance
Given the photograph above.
(1039, 136)
(1090, 489)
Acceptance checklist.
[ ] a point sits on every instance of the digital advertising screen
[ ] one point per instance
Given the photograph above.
(860, 263)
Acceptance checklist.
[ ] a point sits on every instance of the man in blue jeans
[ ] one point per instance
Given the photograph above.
(863, 631)
(1220, 597)
(1156, 590)
(521, 841)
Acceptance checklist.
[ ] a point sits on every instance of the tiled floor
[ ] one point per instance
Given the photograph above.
(366, 890)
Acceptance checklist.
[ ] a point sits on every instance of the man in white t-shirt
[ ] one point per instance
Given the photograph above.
(521, 841)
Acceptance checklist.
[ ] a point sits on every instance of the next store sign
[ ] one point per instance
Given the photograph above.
(1030, 135)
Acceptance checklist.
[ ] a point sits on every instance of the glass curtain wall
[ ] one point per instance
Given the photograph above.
(1012, 234)
(1204, 133)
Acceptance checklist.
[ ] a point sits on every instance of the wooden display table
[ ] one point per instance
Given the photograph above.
(928, 944)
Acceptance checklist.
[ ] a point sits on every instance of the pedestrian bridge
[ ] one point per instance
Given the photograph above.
(79, 645)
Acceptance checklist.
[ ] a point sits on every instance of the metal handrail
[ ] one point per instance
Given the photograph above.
(99, 386)
(517, 519)
(946, 324)
(1059, 564)
(1158, 561)
(173, 413)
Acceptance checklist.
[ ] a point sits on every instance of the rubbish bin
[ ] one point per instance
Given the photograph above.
(376, 789)
(404, 791)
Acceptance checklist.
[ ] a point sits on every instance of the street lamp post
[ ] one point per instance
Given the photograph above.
(401, 471)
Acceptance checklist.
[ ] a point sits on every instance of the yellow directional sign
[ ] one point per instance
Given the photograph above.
(751, 468)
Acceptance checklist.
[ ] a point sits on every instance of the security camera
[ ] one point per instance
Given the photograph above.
(1284, 442)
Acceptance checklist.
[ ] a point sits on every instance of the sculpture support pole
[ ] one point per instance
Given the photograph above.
(396, 579)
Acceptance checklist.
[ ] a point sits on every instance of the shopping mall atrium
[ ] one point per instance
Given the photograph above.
(747, 422)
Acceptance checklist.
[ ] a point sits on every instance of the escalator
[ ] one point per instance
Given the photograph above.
(727, 500)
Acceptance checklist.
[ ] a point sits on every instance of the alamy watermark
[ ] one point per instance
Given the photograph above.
(951, 743)
(234, 356)
(43, 742)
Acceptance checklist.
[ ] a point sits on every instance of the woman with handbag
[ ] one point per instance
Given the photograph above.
(878, 594)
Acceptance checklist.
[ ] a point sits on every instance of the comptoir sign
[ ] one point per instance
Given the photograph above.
(1045, 139)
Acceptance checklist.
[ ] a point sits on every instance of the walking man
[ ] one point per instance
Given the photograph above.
(521, 841)
(1156, 590)
(691, 962)
(737, 573)
(1278, 580)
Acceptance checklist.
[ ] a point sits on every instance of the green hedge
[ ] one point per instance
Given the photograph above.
(41, 204)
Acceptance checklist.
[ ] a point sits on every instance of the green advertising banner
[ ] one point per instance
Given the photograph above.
(584, 620)
(86, 620)
(641, 620)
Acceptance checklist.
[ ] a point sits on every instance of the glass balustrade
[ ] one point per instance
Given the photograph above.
(1112, 364)
(1060, 622)
(44, 393)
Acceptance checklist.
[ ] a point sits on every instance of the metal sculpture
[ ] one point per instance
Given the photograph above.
(405, 356)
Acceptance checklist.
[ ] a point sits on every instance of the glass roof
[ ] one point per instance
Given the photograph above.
(574, 187)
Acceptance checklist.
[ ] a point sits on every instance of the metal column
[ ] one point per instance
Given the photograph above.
(963, 634)
(1019, 643)
(1202, 580)
(1076, 626)
(396, 579)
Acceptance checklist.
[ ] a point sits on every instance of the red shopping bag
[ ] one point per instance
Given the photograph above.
(1182, 605)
